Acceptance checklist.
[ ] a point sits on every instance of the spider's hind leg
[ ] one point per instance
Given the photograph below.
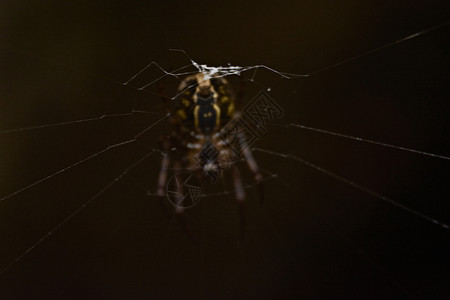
(240, 198)
(180, 209)
(254, 168)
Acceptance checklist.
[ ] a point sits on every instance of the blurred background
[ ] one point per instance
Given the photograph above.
(79, 234)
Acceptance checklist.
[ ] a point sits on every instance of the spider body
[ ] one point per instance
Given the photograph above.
(198, 117)
(205, 105)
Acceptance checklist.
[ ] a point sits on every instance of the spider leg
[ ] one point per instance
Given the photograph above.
(179, 209)
(254, 168)
(162, 178)
(240, 198)
(162, 181)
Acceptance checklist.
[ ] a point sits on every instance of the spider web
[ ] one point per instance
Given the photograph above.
(145, 122)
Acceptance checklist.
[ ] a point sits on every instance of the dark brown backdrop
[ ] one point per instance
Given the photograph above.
(314, 237)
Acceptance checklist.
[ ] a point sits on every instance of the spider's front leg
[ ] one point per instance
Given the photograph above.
(166, 146)
(162, 177)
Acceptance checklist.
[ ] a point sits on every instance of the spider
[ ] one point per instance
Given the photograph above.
(200, 140)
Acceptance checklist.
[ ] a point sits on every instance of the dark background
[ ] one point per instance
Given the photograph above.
(314, 237)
